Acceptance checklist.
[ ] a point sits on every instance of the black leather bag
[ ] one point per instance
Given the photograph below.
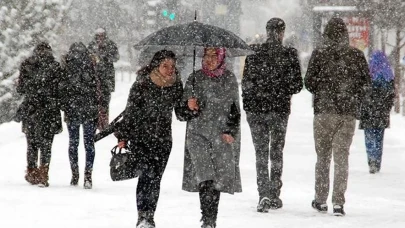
(123, 165)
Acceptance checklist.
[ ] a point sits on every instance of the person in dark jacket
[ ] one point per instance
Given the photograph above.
(375, 111)
(212, 147)
(40, 111)
(104, 53)
(271, 76)
(146, 127)
(80, 105)
(338, 77)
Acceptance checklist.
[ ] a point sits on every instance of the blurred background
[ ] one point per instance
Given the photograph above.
(373, 24)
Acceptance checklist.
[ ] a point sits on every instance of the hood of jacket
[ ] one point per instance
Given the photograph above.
(336, 33)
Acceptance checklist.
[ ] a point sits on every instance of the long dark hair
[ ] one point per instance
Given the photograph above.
(156, 60)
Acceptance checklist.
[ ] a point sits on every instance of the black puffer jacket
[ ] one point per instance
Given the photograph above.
(271, 76)
(38, 83)
(79, 86)
(148, 114)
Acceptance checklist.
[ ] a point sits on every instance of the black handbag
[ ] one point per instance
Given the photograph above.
(123, 165)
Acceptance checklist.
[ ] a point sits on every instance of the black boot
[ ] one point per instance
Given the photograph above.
(275, 190)
(145, 220)
(88, 182)
(209, 201)
(338, 210)
(323, 208)
(75, 177)
(264, 205)
(373, 168)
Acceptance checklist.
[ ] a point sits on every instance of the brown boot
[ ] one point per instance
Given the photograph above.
(43, 176)
(32, 176)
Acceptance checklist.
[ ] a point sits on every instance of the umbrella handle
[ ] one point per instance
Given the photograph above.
(193, 82)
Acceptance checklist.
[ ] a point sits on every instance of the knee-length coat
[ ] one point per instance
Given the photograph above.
(207, 156)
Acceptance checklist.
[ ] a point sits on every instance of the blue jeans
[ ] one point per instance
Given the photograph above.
(374, 144)
(89, 130)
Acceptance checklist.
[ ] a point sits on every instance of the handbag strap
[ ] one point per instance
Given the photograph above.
(115, 148)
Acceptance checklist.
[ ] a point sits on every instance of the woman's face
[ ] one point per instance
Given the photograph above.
(210, 59)
(167, 67)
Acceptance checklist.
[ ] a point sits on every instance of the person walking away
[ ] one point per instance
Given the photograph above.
(39, 112)
(338, 77)
(376, 108)
(80, 105)
(212, 146)
(146, 127)
(271, 76)
(104, 52)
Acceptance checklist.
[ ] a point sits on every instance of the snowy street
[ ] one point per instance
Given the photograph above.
(372, 200)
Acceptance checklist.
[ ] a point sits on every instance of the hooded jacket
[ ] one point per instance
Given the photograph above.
(38, 83)
(338, 74)
(79, 86)
(376, 108)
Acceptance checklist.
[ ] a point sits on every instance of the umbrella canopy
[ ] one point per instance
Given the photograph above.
(184, 39)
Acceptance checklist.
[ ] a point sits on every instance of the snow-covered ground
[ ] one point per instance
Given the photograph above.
(372, 200)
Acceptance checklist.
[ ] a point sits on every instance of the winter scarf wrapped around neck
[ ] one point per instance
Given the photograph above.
(221, 67)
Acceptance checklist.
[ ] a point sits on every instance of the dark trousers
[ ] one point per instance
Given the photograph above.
(153, 156)
(209, 201)
(268, 128)
(36, 143)
(374, 144)
(89, 130)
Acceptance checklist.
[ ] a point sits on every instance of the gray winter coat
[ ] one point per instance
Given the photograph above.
(207, 156)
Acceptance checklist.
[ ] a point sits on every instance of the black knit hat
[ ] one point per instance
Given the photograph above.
(275, 25)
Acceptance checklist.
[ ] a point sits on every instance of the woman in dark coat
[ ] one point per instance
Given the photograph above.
(146, 125)
(80, 104)
(40, 110)
(212, 149)
(375, 112)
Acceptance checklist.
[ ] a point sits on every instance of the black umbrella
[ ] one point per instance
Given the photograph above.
(190, 39)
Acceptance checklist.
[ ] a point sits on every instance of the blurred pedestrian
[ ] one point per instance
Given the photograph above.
(271, 76)
(104, 53)
(80, 105)
(146, 128)
(375, 111)
(40, 110)
(338, 77)
(212, 147)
